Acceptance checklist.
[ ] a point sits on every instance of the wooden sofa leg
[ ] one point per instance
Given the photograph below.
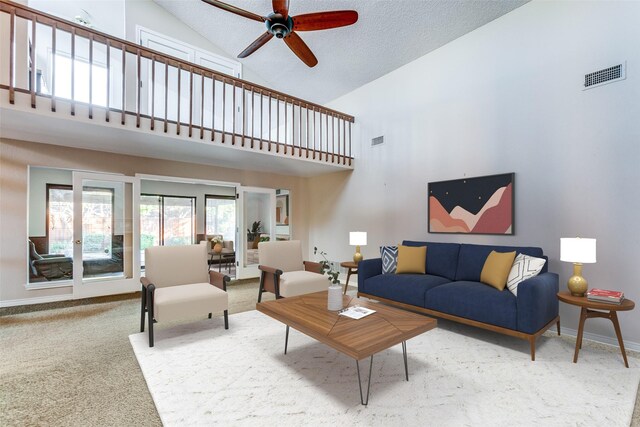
(558, 326)
(210, 314)
(532, 343)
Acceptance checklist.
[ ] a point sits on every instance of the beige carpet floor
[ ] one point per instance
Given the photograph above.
(71, 364)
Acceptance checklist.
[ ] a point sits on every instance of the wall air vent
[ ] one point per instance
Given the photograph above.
(604, 76)
(377, 141)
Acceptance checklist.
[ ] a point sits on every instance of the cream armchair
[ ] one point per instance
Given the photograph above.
(284, 273)
(178, 285)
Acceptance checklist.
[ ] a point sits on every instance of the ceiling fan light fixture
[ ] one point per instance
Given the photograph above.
(278, 26)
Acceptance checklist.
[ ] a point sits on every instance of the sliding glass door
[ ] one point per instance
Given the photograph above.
(257, 223)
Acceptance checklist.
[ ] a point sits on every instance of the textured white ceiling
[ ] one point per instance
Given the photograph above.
(388, 34)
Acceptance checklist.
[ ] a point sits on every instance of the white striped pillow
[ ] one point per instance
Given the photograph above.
(524, 267)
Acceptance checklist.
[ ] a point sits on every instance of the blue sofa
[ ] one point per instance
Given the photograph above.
(451, 289)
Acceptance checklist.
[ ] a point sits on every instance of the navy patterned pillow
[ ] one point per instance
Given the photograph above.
(389, 255)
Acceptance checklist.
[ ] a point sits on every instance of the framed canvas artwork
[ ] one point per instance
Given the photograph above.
(480, 205)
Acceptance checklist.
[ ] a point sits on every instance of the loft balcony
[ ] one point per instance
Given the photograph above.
(66, 84)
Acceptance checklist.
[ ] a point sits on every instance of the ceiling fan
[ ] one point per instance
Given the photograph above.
(283, 26)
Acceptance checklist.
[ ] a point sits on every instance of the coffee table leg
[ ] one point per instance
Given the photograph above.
(286, 340)
(404, 356)
(616, 325)
(583, 317)
(362, 400)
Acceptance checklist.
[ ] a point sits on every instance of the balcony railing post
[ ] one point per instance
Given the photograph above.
(244, 113)
(261, 119)
(138, 87)
(124, 85)
(224, 109)
(269, 121)
(314, 133)
(233, 117)
(307, 138)
(350, 155)
(277, 124)
(213, 107)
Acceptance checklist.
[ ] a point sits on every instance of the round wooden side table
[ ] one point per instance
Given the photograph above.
(589, 309)
(352, 268)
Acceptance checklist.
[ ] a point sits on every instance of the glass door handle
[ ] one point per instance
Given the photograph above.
(78, 242)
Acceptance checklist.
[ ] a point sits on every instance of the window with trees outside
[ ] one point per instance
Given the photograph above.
(220, 216)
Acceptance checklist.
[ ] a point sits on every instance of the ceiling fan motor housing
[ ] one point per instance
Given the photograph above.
(278, 26)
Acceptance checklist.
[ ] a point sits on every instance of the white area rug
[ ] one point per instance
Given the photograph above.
(200, 374)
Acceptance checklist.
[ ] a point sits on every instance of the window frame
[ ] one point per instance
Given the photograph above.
(194, 216)
(219, 197)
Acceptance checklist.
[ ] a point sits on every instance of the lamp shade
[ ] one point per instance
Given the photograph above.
(578, 250)
(358, 238)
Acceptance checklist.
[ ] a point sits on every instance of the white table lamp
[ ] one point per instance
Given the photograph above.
(357, 239)
(578, 251)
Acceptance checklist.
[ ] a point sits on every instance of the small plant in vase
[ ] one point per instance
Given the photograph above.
(326, 267)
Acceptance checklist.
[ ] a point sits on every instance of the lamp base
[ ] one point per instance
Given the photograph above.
(577, 284)
(357, 257)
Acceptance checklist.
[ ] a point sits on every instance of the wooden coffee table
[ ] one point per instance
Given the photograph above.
(358, 339)
(589, 309)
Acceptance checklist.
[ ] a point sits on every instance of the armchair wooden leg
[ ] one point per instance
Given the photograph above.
(261, 287)
(150, 313)
(143, 308)
(226, 319)
(558, 326)
(532, 343)
(210, 315)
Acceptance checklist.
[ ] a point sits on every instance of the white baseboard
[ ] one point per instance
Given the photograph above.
(602, 339)
(35, 300)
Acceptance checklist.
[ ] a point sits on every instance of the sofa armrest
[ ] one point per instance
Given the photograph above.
(537, 302)
(368, 268)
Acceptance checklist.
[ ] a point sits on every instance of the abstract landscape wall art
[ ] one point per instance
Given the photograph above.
(481, 205)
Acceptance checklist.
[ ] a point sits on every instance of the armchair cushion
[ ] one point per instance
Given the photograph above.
(185, 301)
(283, 255)
(161, 262)
(294, 283)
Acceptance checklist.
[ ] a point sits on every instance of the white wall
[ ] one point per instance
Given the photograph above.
(505, 98)
(105, 15)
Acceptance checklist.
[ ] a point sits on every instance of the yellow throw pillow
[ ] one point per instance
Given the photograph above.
(496, 269)
(413, 259)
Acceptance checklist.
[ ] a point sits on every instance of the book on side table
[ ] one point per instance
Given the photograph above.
(604, 295)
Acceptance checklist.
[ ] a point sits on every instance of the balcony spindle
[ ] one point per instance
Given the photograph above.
(54, 29)
(350, 155)
(73, 73)
(33, 62)
(12, 61)
(233, 117)
(153, 92)
(91, 76)
(244, 113)
(213, 107)
(124, 60)
(166, 95)
(261, 109)
(190, 101)
(253, 120)
(202, 106)
(277, 124)
(106, 116)
(344, 142)
(314, 133)
(269, 121)
(179, 87)
(224, 108)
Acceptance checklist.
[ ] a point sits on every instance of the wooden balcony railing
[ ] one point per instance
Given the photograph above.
(67, 62)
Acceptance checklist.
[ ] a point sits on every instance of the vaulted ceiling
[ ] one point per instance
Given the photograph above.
(388, 34)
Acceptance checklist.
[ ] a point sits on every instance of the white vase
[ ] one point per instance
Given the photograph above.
(334, 299)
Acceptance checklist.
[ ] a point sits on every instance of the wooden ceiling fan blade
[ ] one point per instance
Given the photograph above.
(324, 20)
(301, 49)
(236, 10)
(257, 44)
(281, 7)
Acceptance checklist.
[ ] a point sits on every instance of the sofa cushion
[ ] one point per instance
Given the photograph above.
(389, 256)
(472, 257)
(496, 269)
(188, 301)
(474, 300)
(442, 258)
(406, 288)
(411, 259)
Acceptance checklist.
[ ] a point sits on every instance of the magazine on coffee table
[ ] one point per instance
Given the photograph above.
(356, 312)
